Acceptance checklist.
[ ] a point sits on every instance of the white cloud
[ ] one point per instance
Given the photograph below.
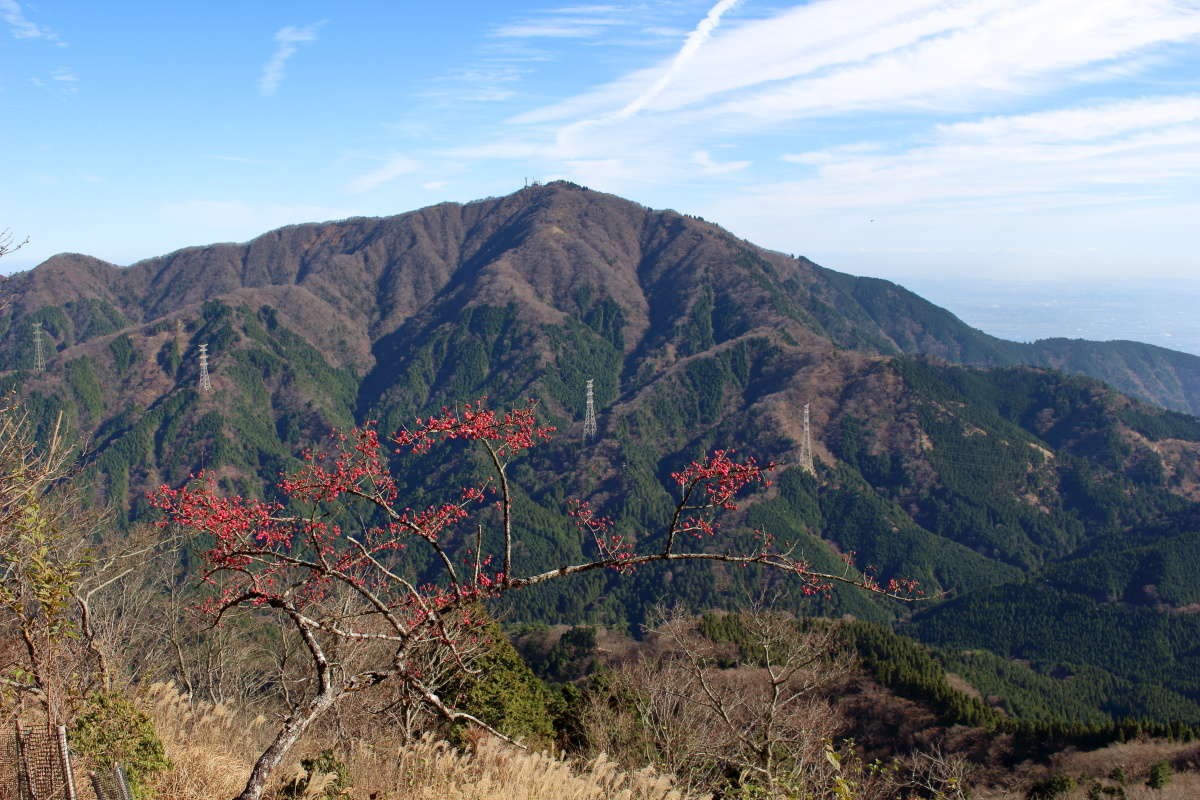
(1121, 175)
(708, 166)
(433, 185)
(65, 75)
(992, 49)
(22, 27)
(833, 57)
(391, 168)
(1106, 153)
(552, 29)
(287, 42)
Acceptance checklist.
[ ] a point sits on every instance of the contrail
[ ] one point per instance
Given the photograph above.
(694, 41)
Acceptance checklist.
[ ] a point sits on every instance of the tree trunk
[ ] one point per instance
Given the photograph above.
(291, 731)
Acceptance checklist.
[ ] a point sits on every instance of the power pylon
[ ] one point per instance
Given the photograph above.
(205, 383)
(589, 417)
(39, 355)
(806, 453)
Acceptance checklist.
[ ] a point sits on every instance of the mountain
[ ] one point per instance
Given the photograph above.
(990, 485)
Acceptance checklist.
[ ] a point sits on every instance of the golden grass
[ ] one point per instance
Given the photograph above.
(433, 770)
(212, 748)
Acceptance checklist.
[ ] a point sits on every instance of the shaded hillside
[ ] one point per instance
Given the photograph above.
(971, 480)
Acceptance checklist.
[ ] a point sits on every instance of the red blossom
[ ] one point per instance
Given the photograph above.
(508, 435)
(721, 477)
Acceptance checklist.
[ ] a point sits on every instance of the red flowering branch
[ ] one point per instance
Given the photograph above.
(502, 437)
(334, 586)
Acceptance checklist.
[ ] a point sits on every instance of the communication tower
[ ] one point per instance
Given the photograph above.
(205, 383)
(39, 355)
(806, 455)
(589, 418)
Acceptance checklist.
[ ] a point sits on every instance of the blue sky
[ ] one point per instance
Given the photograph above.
(1025, 140)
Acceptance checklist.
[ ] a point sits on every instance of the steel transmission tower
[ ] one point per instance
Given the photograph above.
(589, 418)
(205, 383)
(39, 355)
(806, 455)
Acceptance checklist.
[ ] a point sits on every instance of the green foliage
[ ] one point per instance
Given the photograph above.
(123, 353)
(1160, 775)
(911, 670)
(571, 656)
(1156, 424)
(1138, 663)
(85, 386)
(506, 694)
(112, 730)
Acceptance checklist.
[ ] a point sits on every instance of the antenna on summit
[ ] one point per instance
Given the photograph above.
(589, 417)
(39, 355)
(205, 383)
(806, 454)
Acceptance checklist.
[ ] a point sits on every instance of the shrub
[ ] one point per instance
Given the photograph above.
(1160, 775)
(112, 730)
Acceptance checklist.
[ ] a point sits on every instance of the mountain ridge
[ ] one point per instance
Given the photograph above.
(329, 260)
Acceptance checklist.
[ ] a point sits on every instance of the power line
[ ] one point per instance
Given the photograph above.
(205, 383)
(806, 452)
(39, 355)
(589, 418)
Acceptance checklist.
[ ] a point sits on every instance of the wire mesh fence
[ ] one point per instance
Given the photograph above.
(110, 783)
(35, 764)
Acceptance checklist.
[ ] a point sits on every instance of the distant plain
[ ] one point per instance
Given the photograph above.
(1164, 313)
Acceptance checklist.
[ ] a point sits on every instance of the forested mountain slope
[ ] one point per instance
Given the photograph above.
(993, 487)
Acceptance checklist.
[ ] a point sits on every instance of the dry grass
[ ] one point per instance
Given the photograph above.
(211, 749)
(210, 746)
(432, 770)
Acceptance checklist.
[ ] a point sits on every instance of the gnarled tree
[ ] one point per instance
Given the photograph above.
(348, 594)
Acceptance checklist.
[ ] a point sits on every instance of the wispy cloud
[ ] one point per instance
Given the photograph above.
(1105, 153)
(24, 28)
(574, 22)
(1120, 175)
(63, 79)
(287, 42)
(392, 167)
(490, 81)
(844, 60)
(687, 52)
(834, 57)
(704, 160)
